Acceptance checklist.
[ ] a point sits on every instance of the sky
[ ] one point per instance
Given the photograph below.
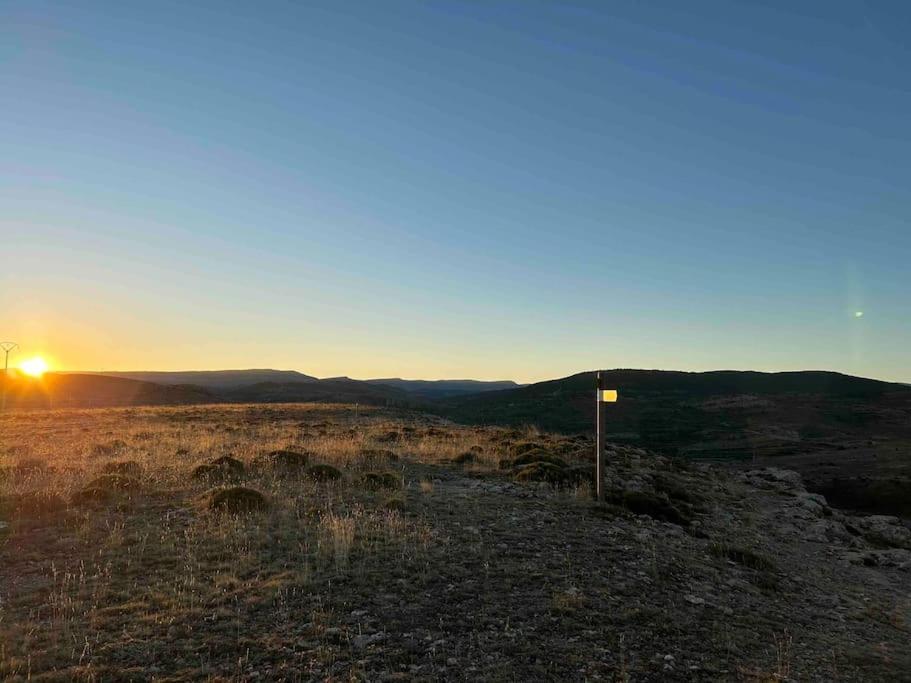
(494, 190)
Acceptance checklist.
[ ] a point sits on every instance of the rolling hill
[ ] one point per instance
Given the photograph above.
(76, 390)
(214, 379)
(444, 388)
(58, 390)
(340, 390)
(710, 414)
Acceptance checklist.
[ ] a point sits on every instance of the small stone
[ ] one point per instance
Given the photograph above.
(693, 600)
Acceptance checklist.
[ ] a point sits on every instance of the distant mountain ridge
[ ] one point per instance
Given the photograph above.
(217, 379)
(443, 388)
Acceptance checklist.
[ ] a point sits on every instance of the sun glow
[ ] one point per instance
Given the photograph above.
(35, 367)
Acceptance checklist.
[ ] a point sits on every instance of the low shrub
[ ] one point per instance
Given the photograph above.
(225, 467)
(742, 556)
(130, 468)
(106, 488)
(234, 500)
(396, 503)
(533, 456)
(465, 458)
(377, 457)
(388, 437)
(32, 505)
(541, 471)
(283, 461)
(655, 506)
(322, 472)
(374, 481)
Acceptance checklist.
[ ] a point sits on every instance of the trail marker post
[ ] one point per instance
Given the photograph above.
(602, 396)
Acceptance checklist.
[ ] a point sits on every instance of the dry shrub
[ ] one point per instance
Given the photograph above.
(375, 481)
(105, 488)
(27, 467)
(541, 471)
(284, 461)
(396, 503)
(130, 468)
(465, 458)
(225, 468)
(524, 447)
(323, 472)
(535, 455)
(655, 506)
(234, 500)
(377, 457)
(108, 449)
(33, 505)
(388, 437)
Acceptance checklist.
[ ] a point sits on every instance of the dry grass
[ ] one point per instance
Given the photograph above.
(114, 548)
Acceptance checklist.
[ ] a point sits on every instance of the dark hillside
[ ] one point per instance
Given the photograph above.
(214, 379)
(55, 390)
(444, 388)
(326, 390)
(721, 414)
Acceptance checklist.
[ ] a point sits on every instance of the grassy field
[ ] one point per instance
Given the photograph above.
(115, 553)
(311, 542)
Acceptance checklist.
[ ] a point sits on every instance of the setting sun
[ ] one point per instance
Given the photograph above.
(35, 367)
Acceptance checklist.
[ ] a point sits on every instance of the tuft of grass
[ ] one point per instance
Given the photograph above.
(742, 556)
(130, 468)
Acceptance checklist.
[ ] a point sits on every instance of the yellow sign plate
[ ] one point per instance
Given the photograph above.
(607, 395)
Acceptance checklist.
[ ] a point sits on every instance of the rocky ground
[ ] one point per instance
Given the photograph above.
(487, 560)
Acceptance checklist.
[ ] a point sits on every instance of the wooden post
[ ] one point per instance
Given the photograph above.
(599, 441)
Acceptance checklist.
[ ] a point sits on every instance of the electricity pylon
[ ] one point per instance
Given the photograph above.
(7, 347)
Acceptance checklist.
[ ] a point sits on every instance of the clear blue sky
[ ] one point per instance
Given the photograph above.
(476, 189)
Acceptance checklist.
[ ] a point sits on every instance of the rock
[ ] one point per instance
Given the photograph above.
(362, 642)
(693, 600)
(897, 558)
(884, 531)
(774, 478)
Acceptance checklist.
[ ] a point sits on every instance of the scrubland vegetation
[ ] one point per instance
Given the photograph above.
(313, 542)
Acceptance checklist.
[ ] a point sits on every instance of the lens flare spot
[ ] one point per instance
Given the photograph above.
(858, 314)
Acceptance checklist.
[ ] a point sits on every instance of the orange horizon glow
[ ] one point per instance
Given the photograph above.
(34, 367)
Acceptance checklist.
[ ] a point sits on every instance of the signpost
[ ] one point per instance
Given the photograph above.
(602, 396)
